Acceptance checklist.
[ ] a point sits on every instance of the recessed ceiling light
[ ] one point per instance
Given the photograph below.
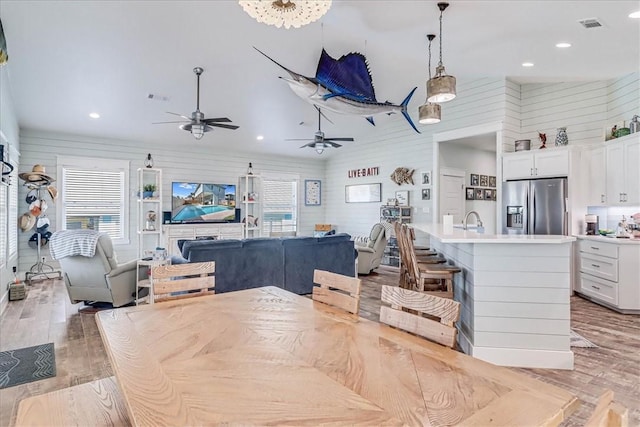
(563, 45)
(259, 137)
(635, 15)
(527, 64)
(94, 115)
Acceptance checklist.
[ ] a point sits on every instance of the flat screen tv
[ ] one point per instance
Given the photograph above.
(200, 202)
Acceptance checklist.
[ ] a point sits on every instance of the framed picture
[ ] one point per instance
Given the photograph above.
(492, 181)
(479, 194)
(312, 192)
(426, 194)
(475, 180)
(489, 194)
(470, 193)
(426, 178)
(402, 197)
(484, 181)
(363, 193)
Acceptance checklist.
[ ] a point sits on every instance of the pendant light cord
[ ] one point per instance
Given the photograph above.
(440, 63)
(429, 59)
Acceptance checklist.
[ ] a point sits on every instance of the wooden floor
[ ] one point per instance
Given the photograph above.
(46, 315)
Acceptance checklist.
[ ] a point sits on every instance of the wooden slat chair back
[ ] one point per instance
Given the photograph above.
(330, 285)
(408, 265)
(608, 413)
(195, 276)
(442, 331)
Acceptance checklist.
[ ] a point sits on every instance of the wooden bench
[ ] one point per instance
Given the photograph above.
(97, 403)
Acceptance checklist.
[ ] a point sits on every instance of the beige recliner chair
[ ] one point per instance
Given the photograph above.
(97, 278)
(370, 252)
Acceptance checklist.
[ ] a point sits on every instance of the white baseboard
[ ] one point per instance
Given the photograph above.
(525, 358)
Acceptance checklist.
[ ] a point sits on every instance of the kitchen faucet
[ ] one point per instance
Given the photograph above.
(480, 228)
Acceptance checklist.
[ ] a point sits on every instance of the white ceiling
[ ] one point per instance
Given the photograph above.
(68, 58)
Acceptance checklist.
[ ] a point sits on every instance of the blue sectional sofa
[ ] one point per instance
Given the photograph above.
(285, 262)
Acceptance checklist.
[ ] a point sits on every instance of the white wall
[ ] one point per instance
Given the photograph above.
(477, 162)
(198, 161)
(397, 145)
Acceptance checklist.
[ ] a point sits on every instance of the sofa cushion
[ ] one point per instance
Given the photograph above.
(334, 238)
(200, 243)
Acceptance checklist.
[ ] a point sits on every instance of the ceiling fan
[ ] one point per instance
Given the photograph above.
(197, 124)
(319, 142)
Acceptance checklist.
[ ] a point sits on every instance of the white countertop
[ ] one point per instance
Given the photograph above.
(613, 240)
(470, 236)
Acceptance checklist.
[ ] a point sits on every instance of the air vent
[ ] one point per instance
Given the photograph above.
(156, 97)
(590, 23)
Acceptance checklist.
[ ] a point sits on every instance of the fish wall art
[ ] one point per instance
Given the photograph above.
(343, 86)
(403, 176)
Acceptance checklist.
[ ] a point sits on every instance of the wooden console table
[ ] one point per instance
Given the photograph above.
(266, 356)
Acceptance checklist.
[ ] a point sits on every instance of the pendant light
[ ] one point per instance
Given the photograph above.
(429, 113)
(441, 88)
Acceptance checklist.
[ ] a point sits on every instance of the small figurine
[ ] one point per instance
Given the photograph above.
(614, 131)
(543, 139)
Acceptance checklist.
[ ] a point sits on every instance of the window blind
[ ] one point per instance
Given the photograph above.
(4, 211)
(279, 205)
(94, 199)
(13, 213)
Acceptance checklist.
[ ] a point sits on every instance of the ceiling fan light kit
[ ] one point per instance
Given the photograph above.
(429, 113)
(442, 87)
(287, 13)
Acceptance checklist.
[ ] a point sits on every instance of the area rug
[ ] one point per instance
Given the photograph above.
(578, 340)
(27, 364)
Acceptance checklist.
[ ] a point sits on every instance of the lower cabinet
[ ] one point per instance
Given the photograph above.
(608, 273)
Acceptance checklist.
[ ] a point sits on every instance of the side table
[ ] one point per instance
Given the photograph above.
(145, 282)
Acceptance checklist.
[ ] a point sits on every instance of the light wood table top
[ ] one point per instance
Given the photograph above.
(267, 356)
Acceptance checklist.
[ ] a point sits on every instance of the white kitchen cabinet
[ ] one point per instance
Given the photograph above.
(596, 176)
(535, 164)
(623, 171)
(608, 272)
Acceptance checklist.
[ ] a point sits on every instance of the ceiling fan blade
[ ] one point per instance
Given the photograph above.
(333, 144)
(159, 123)
(219, 119)
(339, 139)
(222, 126)
(311, 144)
(176, 114)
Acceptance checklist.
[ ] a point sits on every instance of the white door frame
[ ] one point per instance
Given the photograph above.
(483, 129)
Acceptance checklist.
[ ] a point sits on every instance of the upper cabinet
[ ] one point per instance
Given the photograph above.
(595, 176)
(623, 171)
(535, 164)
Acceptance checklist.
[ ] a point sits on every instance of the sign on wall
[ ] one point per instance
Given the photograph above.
(358, 173)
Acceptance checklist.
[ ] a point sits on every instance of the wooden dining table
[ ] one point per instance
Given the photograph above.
(266, 356)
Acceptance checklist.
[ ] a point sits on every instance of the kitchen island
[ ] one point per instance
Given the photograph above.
(514, 291)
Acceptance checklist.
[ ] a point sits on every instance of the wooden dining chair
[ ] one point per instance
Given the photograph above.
(428, 315)
(337, 290)
(608, 413)
(177, 281)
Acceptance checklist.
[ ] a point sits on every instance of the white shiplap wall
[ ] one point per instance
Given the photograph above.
(397, 145)
(198, 161)
(623, 99)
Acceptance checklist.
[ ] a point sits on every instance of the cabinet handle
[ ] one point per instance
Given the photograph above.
(595, 265)
(594, 248)
(595, 287)
(531, 173)
(621, 198)
(536, 171)
(625, 197)
(602, 198)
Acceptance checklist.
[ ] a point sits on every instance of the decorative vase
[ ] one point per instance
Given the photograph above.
(561, 137)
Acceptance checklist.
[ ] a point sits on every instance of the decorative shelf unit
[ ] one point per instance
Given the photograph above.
(250, 189)
(391, 214)
(149, 210)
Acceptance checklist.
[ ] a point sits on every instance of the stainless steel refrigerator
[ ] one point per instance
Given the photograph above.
(537, 206)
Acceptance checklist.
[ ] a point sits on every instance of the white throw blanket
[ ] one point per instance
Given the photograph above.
(66, 243)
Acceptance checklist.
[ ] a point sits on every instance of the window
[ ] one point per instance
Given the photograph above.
(280, 205)
(93, 196)
(4, 190)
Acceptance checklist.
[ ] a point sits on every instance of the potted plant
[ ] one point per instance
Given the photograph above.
(148, 190)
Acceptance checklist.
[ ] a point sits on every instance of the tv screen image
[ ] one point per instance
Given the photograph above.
(200, 202)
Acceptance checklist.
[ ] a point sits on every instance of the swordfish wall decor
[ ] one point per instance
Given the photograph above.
(343, 86)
